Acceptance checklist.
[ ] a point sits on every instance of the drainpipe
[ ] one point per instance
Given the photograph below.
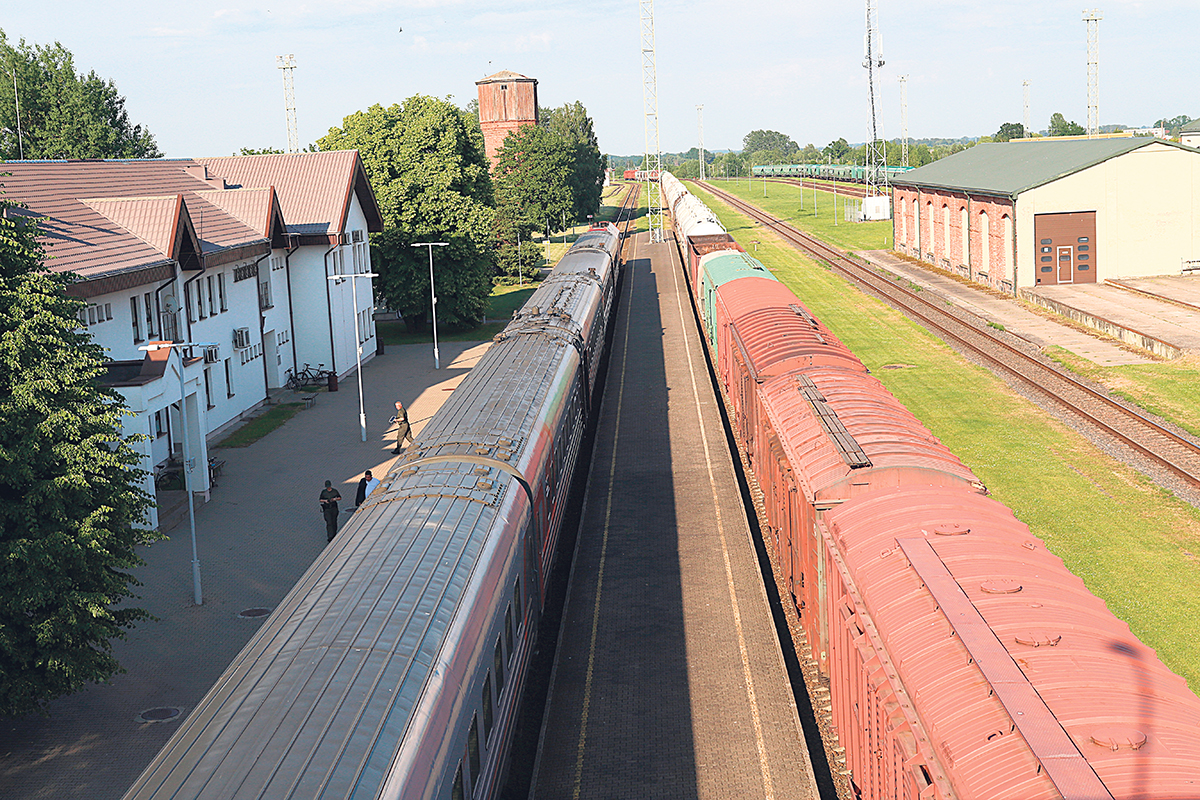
(970, 260)
(920, 227)
(287, 271)
(187, 316)
(1013, 216)
(262, 326)
(329, 309)
(158, 302)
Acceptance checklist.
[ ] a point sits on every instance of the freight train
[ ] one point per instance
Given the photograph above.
(963, 659)
(852, 173)
(394, 668)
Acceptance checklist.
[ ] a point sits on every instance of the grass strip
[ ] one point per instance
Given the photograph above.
(1134, 545)
(261, 425)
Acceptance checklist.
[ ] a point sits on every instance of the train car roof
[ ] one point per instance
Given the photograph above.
(724, 266)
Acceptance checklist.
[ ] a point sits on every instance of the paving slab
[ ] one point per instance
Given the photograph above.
(258, 534)
(1006, 311)
(668, 679)
(1140, 308)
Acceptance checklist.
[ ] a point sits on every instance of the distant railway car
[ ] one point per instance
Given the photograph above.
(964, 659)
(698, 231)
(394, 668)
(630, 174)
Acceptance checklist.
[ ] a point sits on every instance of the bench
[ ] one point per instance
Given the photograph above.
(215, 467)
(309, 400)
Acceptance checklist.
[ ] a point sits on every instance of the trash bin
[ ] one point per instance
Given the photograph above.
(333, 381)
(378, 346)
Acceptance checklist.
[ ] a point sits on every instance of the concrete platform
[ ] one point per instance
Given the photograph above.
(668, 681)
(1006, 311)
(257, 535)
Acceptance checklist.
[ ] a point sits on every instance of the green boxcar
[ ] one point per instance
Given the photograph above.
(718, 269)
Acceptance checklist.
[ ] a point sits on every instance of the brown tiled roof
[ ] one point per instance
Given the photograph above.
(314, 189)
(258, 209)
(154, 220)
(505, 75)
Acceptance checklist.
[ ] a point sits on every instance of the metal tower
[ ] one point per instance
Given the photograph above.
(904, 120)
(876, 149)
(287, 64)
(1092, 18)
(700, 122)
(1025, 119)
(653, 163)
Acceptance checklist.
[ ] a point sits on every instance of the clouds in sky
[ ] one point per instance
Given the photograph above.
(202, 76)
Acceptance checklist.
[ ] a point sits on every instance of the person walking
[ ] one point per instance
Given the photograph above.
(403, 429)
(329, 507)
(365, 487)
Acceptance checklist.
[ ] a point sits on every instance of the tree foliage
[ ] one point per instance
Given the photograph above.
(425, 161)
(572, 126)
(70, 515)
(1060, 127)
(760, 141)
(837, 151)
(1009, 130)
(533, 189)
(64, 114)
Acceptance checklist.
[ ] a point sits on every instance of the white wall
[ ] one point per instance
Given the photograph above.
(1147, 206)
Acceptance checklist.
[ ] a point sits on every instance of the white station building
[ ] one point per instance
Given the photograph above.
(235, 252)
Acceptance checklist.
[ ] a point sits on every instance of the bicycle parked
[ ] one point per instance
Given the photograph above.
(307, 377)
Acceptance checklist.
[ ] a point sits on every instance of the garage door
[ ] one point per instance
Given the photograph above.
(1066, 248)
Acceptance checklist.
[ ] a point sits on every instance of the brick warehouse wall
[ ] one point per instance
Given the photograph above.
(933, 226)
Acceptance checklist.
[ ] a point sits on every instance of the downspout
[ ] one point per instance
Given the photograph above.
(1013, 217)
(920, 227)
(329, 310)
(970, 260)
(262, 326)
(287, 269)
(158, 303)
(187, 317)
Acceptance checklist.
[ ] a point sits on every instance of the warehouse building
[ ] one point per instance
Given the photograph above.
(1047, 212)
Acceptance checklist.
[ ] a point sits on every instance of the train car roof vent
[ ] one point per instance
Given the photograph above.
(847, 446)
(804, 315)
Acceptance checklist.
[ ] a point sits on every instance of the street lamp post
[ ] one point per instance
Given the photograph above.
(188, 464)
(362, 415)
(433, 298)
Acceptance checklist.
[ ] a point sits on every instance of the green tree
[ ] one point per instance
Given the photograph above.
(533, 189)
(728, 165)
(70, 514)
(1009, 130)
(425, 161)
(64, 114)
(757, 141)
(809, 155)
(837, 150)
(1060, 127)
(572, 125)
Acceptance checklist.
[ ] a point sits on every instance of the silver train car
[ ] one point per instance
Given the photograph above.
(395, 667)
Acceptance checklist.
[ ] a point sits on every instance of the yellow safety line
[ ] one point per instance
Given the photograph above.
(765, 767)
(612, 469)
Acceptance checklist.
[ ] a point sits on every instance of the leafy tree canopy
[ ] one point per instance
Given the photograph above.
(571, 124)
(837, 151)
(1060, 127)
(1009, 130)
(1173, 124)
(70, 515)
(426, 163)
(758, 141)
(533, 184)
(64, 114)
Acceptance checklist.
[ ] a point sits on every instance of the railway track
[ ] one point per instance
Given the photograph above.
(1175, 454)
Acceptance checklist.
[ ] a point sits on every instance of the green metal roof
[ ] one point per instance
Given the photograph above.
(729, 265)
(1191, 127)
(1009, 168)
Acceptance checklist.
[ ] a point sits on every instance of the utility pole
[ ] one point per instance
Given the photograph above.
(654, 204)
(1026, 118)
(17, 100)
(700, 122)
(876, 150)
(288, 64)
(904, 120)
(1092, 18)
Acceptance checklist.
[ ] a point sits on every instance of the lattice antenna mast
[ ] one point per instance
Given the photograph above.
(1025, 121)
(700, 123)
(654, 205)
(904, 120)
(876, 149)
(288, 64)
(1092, 18)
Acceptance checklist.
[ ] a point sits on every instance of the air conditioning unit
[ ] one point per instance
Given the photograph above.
(241, 338)
(343, 238)
(212, 354)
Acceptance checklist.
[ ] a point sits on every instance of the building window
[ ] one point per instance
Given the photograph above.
(498, 663)
(473, 749)
(136, 314)
(187, 301)
(149, 313)
(212, 307)
(160, 425)
(487, 708)
(264, 292)
(221, 290)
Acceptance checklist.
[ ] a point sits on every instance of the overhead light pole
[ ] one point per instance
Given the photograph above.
(437, 364)
(362, 415)
(188, 464)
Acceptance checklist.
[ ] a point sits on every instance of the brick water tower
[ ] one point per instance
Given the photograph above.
(507, 101)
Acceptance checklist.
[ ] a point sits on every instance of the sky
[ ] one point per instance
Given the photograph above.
(202, 75)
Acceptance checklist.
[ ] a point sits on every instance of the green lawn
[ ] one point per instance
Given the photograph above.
(260, 426)
(1133, 544)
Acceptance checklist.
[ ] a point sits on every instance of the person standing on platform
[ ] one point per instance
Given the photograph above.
(365, 487)
(329, 507)
(403, 429)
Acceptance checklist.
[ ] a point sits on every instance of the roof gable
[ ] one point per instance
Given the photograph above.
(154, 220)
(1009, 168)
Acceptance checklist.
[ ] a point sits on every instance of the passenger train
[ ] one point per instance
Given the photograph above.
(395, 667)
(963, 659)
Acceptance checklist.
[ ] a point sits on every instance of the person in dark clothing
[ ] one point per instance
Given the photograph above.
(403, 429)
(329, 507)
(360, 496)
